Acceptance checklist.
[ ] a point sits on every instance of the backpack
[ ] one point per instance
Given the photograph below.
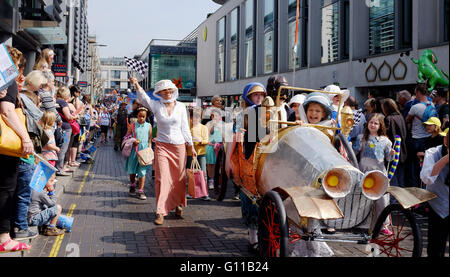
(430, 111)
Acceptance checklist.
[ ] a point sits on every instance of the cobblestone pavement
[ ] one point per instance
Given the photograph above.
(110, 223)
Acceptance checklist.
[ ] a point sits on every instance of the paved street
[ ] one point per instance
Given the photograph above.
(110, 223)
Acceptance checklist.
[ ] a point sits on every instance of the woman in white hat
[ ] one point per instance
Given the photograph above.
(295, 104)
(335, 98)
(170, 147)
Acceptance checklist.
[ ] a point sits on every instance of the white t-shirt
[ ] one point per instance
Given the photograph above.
(418, 129)
(104, 119)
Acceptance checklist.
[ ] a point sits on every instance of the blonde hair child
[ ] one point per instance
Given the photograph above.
(50, 150)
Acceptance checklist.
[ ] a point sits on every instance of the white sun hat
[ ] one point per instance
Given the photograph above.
(298, 98)
(163, 85)
(337, 89)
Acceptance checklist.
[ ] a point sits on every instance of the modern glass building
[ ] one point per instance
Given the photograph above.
(171, 60)
(361, 45)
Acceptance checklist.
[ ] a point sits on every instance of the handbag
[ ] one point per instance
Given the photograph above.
(73, 124)
(10, 142)
(197, 181)
(145, 156)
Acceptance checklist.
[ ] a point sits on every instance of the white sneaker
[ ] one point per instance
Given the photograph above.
(211, 184)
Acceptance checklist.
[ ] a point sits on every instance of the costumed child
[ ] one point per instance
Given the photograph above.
(253, 96)
(142, 131)
(375, 149)
(318, 109)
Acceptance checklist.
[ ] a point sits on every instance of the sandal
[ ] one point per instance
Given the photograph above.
(179, 211)
(159, 219)
(19, 247)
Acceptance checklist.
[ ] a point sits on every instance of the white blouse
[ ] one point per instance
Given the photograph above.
(173, 129)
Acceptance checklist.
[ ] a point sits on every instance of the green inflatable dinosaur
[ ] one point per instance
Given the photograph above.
(428, 71)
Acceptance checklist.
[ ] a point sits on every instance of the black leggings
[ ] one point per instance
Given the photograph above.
(8, 183)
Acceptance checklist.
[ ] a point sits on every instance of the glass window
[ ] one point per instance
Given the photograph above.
(292, 13)
(330, 32)
(269, 36)
(170, 67)
(115, 84)
(346, 29)
(381, 27)
(446, 13)
(115, 74)
(249, 38)
(221, 50)
(234, 52)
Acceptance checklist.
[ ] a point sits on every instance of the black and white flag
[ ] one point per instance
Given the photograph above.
(136, 66)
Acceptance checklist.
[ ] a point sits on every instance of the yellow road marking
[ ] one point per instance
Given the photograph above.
(60, 238)
(85, 176)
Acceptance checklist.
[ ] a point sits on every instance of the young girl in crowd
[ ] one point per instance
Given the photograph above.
(200, 138)
(375, 148)
(215, 127)
(50, 150)
(142, 131)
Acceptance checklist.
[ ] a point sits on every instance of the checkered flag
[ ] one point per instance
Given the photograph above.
(136, 66)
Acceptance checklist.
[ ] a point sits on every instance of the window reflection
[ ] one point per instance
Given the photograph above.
(269, 35)
(221, 51)
(179, 67)
(292, 13)
(234, 45)
(381, 27)
(330, 33)
(249, 37)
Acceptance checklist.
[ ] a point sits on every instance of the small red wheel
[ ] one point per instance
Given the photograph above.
(273, 231)
(403, 237)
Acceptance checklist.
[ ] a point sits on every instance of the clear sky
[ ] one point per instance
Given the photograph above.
(127, 26)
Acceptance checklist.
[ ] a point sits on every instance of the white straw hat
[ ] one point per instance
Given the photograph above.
(163, 85)
(298, 98)
(334, 88)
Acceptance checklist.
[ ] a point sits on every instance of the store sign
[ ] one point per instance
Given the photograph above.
(59, 69)
(82, 84)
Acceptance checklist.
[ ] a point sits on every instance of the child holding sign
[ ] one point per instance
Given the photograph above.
(44, 210)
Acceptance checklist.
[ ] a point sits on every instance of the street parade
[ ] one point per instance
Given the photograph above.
(277, 128)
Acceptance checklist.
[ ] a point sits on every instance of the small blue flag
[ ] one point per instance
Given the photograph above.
(40, 177)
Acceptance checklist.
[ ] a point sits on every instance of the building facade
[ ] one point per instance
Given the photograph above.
(33, 25)
(114, 74)
(94, 84)
(360, 45)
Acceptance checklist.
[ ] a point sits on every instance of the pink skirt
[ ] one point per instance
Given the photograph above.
(170, 176)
